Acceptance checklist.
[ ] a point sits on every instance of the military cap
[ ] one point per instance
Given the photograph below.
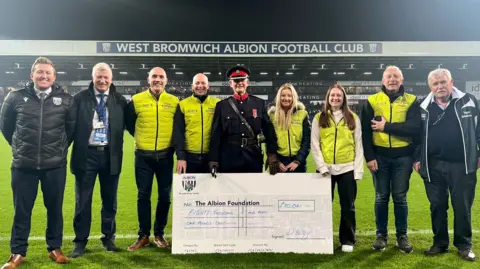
(238, 72)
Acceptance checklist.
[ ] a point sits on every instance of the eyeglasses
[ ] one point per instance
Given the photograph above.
(439, 118)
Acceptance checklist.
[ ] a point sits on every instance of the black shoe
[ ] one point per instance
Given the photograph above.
(403, 245)
(380, 243)
(109, 245)
(78, 250)
(435, 250)
(467, 254)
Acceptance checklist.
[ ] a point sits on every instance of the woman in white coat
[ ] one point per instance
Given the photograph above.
(337, 150)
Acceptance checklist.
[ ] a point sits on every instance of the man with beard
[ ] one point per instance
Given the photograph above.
(149, 118)
(240, 123)
(390, 120)
(97, 151)
(38, 122)
(192, 128)
(448, 159)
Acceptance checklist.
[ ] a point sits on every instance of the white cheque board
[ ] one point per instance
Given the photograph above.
(243, 213)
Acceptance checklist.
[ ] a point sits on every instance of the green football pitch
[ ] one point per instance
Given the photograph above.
(363, 256)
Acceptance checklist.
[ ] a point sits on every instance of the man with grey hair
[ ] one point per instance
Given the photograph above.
(389, 122)
(97, 151)
(447, 159)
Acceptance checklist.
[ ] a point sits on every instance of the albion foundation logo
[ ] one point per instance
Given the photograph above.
(189, 183)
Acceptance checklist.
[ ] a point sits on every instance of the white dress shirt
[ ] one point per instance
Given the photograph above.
(47, 92)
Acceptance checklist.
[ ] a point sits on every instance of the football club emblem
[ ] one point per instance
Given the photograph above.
(106, 47)
(57, 101)
(189, 183)
(254, 113)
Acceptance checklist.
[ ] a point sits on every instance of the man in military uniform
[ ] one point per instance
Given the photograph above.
(240, 123)
(192, 128)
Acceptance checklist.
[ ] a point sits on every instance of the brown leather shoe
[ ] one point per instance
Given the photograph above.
(161, 242)
(140, 243)
(14, 261)
(57, 256)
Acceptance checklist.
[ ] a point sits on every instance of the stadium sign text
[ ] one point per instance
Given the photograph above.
(234, 48)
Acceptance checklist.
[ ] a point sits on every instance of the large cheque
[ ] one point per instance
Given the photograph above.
(242, 213)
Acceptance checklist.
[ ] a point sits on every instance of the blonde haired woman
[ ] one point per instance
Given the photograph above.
(292, 127)
(337, 151)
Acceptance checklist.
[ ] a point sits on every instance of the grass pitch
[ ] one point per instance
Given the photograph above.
(363, 256)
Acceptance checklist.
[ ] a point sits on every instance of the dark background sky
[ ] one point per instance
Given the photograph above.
(242, 20)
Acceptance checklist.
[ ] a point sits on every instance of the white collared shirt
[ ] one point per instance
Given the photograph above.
(454, 95)
(95, 119)
(47, 92)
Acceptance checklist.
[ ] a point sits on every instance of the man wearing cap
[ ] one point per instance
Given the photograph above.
(192, 128)
(240, 123)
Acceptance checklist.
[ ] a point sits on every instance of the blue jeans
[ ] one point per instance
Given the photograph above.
(392, 177)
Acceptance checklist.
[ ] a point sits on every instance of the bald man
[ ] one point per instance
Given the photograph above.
(390, 119)
(149, 120)
(192, 128)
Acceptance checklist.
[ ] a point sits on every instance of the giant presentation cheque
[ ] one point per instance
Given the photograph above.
(242, 213)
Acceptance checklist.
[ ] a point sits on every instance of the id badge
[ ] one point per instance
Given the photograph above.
(99, 135)
(98, 125)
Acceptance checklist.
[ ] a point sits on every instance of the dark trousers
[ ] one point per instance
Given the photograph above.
(347, 192)
(301, 168)
(25, 188)
(96, 163)
(392, 178)
(450, 177)
(197, 164)
(237, 159)
(145, 168)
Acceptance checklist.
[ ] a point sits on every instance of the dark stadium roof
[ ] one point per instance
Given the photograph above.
(247, 20)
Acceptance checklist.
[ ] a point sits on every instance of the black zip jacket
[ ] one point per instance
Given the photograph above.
(39, 132)
(467, 113)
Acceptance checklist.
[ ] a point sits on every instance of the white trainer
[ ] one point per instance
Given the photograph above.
(347, 248)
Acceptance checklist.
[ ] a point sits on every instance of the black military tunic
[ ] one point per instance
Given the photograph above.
(232, 144)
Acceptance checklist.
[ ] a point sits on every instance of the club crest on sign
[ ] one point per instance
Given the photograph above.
(254, 113)
(106, 47)
(189, 183)
(57, 101)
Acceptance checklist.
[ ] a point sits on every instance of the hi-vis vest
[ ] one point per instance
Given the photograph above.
(198, 123)
(392, 112)
(289, 141)
(154, 125)
(337, 141)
